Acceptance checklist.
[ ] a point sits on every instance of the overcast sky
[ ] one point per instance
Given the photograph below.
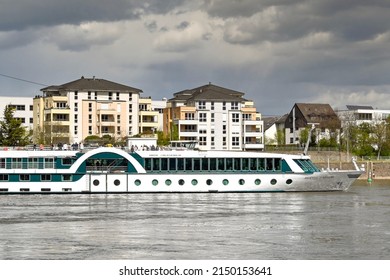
(278, 52)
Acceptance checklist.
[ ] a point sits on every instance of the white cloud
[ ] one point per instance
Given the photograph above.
(84, 36)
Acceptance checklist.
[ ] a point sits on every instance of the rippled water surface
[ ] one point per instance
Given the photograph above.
(334, 225)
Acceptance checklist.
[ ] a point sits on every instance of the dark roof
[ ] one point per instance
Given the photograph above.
(357, 107)
(322, 114)
(208, 92)
(269, 121)
(92, 84)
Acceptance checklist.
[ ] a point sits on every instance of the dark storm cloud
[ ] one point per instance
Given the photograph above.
(23, 14)
(277, 21)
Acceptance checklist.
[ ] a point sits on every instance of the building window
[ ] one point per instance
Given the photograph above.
(236, 117)
(202, 105)
(90, 118)
(189, 116)
(202, 141)
(234, 105)
(90, 130)
(75, 118)
(130, 108)
(212, 105)
(31, 107)
(212, 117)
(89, 95)
(224, 106)
(76, 95)
(235, 141)
(110, 96)
(89, 107)
(117, 96)
(212, 141)
(202, 117)
(223, 141)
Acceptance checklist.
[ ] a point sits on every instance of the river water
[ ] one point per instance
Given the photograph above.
(300, 226)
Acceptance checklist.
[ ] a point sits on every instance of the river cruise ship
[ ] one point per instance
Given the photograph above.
(112, 170)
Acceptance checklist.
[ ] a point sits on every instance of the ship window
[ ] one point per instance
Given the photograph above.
(194, 182)
(273, 181)
(229, 164)
(33, 163)
(245, 164)
(205, 164)
(196, 163)
(270, 165)
(181, 182)
(117, 182)
(237, 164)
(96, 182)
(4, 177)
(213, 164)
(45, 177)
(172, 164)
(180, 164)
(253, 163)
(209, 182)
(66, 161)
(225, 182)
(156, 164)
(289, 181)
(16, 163)
(261, 164)
(45, 189)
(148, 164)
(257, 182)
(168, 182)
(241, 182)
(137, 182)
(221, 164)
(277, 164)
(67, 177)
(2, 163)
(188, 163)
(154, 182)
(49, 163)
(24, 177)
(164, 164)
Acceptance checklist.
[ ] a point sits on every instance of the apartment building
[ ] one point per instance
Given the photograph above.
(217, 118)
(357, 114)
(23, 109)
(70, 112)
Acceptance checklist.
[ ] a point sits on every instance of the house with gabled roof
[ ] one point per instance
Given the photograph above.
(216, 117)
(305, 115)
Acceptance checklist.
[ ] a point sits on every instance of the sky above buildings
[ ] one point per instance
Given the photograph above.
(278, 52)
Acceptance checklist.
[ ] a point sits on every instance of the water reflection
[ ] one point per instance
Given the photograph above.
(337, 225)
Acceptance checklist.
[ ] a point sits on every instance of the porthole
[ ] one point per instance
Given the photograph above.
(96, 182)
(137, 182)
(168, 182)
(257, 182)
(273, 181)
(241, 182)
(181, 182)
(225, 182)
(209, 182)
(289, 181)
(117, 182)
(155, 182)
(194, 182)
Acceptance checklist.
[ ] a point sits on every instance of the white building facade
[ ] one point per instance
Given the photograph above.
(23, 109)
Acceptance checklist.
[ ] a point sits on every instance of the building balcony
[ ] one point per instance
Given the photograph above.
(253, 146)
(108, 111)
(188, 133)
(53, 111)
(252, 122)
(187, 122)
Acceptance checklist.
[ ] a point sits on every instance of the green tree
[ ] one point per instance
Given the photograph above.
(12, 133)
